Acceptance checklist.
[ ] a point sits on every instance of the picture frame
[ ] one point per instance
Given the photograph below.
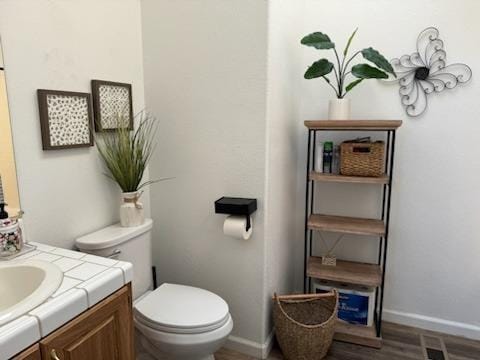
(109, 100)
(66, 119)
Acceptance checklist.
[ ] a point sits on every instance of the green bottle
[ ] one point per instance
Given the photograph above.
(327, 157)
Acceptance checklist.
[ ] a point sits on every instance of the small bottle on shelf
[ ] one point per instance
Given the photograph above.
(319, 157)
(336, 160)
(327, 157)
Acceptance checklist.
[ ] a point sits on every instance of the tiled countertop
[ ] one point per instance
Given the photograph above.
(87, 280)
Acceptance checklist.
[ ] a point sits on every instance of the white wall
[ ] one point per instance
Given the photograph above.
(205, 78)
(62, 45)
(433, 268)
(281, 216)
(206, 91)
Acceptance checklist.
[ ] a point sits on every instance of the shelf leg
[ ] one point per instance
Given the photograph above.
(312, 197)
(307, 194)
(387, 224)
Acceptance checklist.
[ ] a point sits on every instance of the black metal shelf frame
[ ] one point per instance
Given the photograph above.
(386, 200)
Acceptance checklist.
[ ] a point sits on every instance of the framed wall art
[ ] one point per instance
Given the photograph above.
(66, 119)
(112, 105)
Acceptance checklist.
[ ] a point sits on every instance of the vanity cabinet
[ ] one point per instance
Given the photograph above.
(32, 353)
(105, 331)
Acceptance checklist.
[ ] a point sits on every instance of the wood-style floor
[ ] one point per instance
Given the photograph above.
(399, 342)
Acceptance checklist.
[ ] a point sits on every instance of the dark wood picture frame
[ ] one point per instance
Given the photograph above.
(42, 95)
(97, 105)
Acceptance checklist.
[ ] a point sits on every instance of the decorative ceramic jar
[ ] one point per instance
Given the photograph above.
(131, 210)
(11, 240)
(339, 109)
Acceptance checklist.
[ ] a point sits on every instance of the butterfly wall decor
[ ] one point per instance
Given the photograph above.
(426, 71)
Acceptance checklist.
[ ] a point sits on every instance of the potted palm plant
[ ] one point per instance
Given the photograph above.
(125, 155)
(339, 108)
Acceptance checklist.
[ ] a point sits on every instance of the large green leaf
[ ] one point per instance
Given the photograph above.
(365, 71)
(353, 84)
(378, 59)
(318, 69)
(349, 42)
(318, 40)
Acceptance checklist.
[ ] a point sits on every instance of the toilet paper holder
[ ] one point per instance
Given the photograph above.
(236, 206)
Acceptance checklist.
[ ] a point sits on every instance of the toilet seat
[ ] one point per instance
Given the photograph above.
(180, 309)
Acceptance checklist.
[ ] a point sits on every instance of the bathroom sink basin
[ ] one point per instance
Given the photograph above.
(24, 285)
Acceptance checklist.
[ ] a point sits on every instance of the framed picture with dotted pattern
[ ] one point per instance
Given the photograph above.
(66, 119)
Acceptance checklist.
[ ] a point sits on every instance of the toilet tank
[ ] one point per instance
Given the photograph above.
(132, 244)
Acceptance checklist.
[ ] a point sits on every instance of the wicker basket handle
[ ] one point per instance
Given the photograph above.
(361, 148)
(304, 296)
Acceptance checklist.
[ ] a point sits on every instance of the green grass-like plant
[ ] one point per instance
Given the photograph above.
(126, 153)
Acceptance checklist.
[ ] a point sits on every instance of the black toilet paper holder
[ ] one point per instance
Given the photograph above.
(236, 206)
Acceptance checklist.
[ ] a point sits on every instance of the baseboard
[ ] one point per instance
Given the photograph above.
(249, 347)
(434, 324)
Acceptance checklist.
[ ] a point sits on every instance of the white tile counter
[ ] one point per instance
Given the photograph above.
(87, 280)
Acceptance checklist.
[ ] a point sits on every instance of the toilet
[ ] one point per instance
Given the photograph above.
(173, 321)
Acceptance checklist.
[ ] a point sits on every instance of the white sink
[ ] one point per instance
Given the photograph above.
(24, 285)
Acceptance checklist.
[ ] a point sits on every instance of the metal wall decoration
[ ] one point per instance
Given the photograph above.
(66, 119)
(426, 71)
(112, 105)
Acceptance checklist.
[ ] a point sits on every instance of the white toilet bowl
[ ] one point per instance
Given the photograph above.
(174, 321)
(181, 322)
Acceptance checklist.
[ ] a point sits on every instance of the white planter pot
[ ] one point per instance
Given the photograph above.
(339, 109)
(131, 210)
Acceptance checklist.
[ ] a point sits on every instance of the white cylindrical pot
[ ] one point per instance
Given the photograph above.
(131, 210)
(339, 109)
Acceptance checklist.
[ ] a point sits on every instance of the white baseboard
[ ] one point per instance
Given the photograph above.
(249, 347)
(434, 324)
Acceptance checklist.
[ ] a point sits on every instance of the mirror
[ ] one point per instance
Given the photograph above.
(8, 173)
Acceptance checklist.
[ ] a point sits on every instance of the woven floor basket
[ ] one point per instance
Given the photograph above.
(362, 159)
(304, 324)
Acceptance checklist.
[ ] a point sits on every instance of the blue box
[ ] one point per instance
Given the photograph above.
(354, 307)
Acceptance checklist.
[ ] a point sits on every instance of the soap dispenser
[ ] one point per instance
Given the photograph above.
(3, 213)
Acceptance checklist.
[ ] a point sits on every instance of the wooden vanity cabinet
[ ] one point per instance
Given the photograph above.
(103, 332)
(32, 353)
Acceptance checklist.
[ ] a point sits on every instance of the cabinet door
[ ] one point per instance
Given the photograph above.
(103, 332)
(32, 353)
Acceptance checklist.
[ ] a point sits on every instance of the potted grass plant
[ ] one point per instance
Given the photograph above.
(345, 78)
(126, 155)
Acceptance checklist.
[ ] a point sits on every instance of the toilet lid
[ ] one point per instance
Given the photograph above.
(179, 308)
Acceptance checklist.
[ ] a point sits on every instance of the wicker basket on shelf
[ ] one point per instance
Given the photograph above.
(362, 159)
(305, 324)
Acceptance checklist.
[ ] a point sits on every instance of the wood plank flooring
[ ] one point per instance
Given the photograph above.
(399, 343)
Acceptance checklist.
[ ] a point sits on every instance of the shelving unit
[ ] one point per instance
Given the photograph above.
(346, 225)
(315, 176)
(350, 272)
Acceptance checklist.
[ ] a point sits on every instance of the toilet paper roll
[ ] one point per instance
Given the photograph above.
(235, 226)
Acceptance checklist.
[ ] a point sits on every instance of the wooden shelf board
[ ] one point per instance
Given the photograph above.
(353, 124)
(323, 177)
(349, 272)
(357, 334)
(346, 225)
